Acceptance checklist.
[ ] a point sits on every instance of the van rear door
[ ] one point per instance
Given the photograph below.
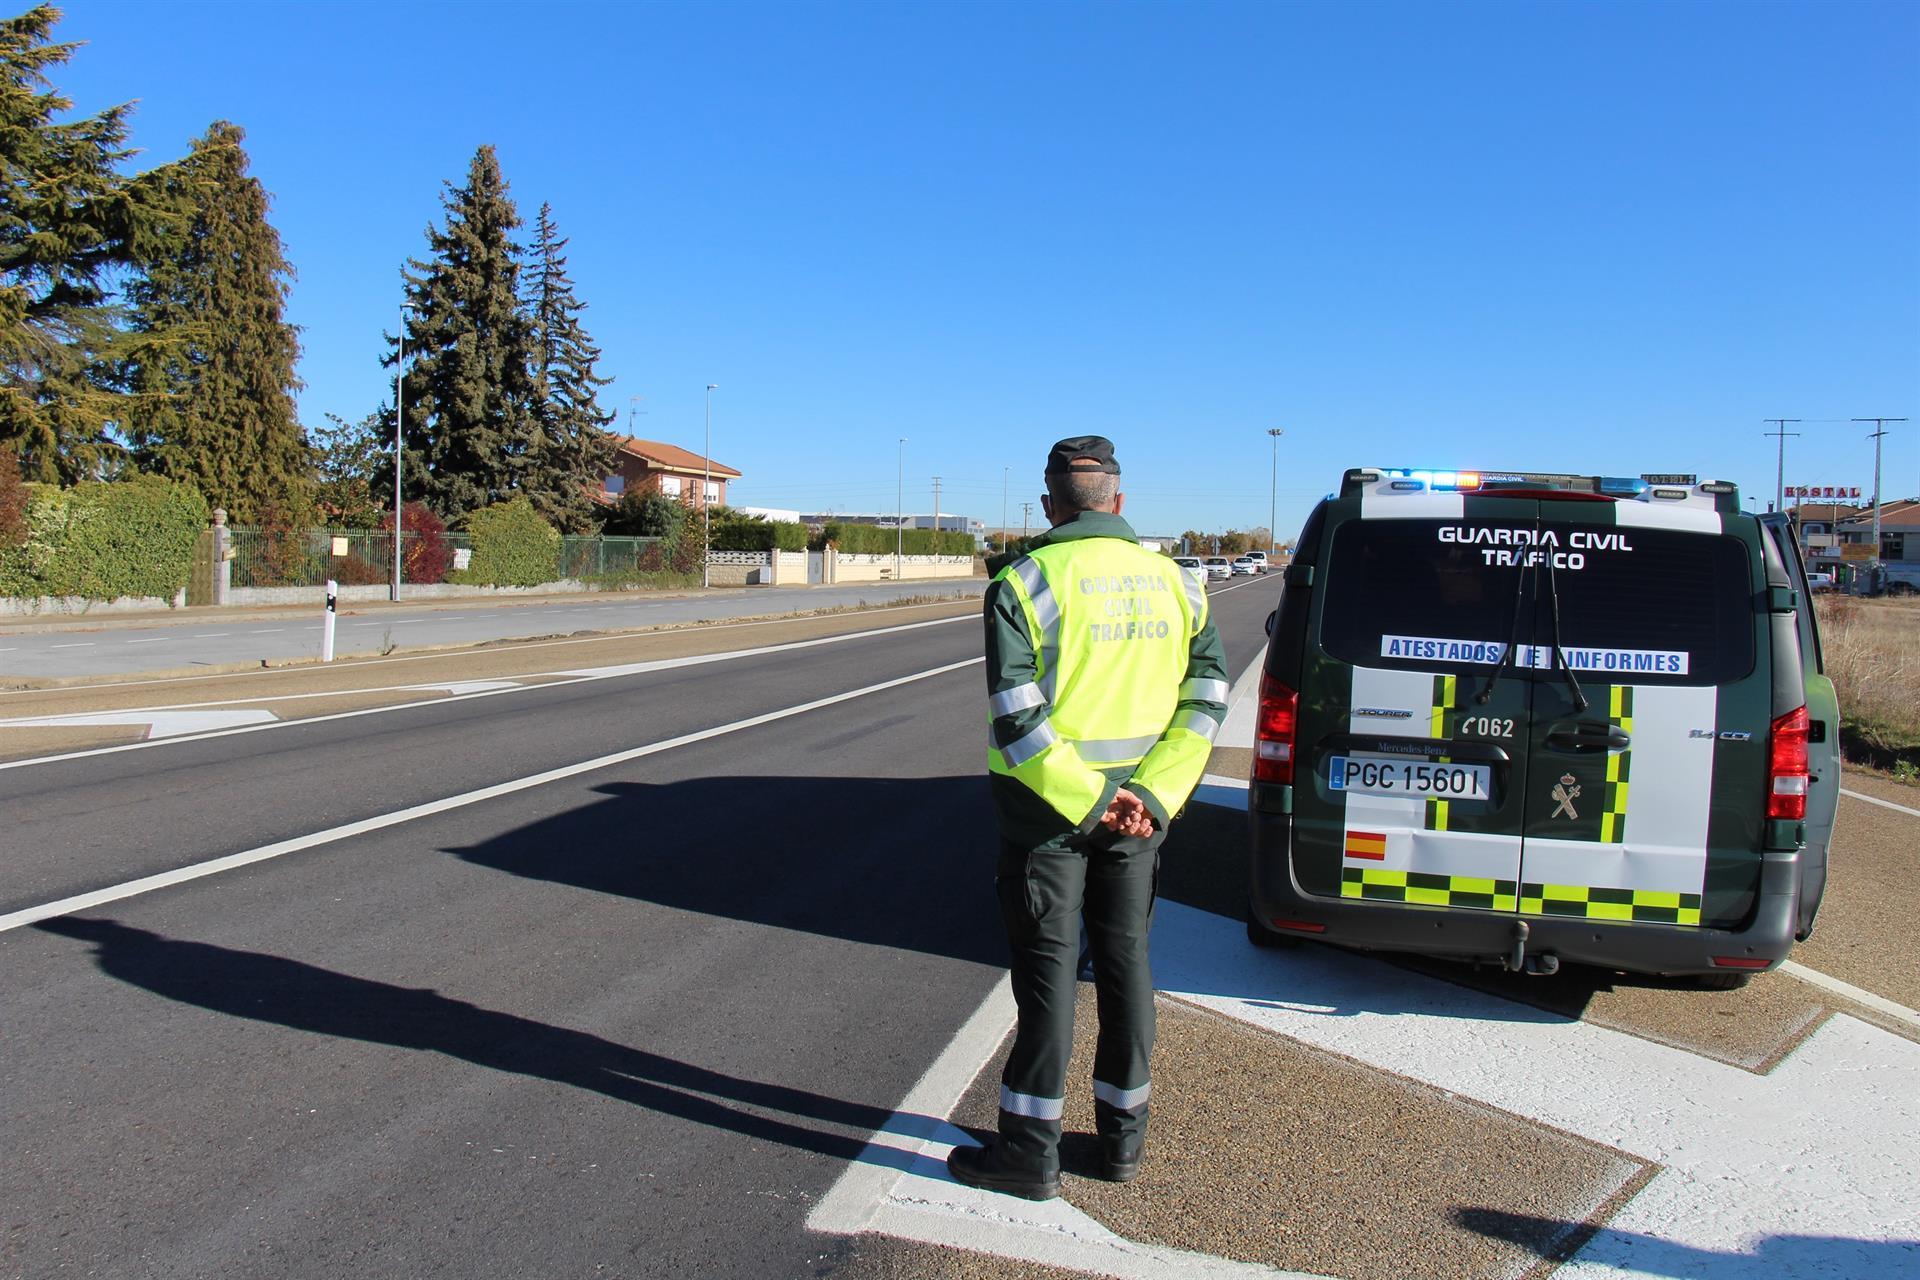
(1418, 783)
(1646, 799)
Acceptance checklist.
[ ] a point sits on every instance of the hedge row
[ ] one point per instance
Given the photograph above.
(104, 541)
(871, 539)
(759, 535)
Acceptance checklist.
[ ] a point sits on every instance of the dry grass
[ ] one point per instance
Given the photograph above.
(1873, 654)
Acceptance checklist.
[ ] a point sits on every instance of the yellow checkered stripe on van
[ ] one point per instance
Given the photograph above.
(1445, 699)
(1428, 889)
(1594, 902)
(1613, 820)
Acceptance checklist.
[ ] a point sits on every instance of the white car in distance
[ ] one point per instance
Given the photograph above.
(1218, 567)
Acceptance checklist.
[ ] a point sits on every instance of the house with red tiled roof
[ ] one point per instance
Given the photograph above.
(651, 466)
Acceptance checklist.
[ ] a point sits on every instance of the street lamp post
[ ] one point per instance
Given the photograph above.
(706, 497)
(399, 414)
(1273, 495)
(899, 507)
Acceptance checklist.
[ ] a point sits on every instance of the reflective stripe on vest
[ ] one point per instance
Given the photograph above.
(1205, 690)
(1018, 698)
(1046, 612)
(1196, 598)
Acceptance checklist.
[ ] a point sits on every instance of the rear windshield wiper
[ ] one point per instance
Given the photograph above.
(1513, 639)
(1559, 654)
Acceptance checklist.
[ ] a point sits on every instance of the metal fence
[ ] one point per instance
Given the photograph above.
(363, 557)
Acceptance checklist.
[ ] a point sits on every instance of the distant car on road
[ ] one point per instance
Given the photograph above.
(1218, 567)
(1259, 557)
(1193, 566)
(1247, 566)
(1820, 580)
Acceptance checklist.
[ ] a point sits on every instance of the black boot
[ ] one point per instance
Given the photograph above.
(1120, 1158)
(988, 1169)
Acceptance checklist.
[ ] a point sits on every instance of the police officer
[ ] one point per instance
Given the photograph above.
(1106, 686)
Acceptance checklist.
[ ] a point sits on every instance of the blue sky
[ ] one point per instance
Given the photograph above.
(1591, 237)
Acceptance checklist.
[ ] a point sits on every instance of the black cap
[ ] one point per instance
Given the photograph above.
(1083, 453)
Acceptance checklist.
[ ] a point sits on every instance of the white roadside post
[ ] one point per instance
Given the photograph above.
(326, 627)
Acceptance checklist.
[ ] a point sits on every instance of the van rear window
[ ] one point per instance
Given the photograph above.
(1636, 605)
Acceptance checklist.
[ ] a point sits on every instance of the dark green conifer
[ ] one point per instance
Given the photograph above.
(574, 453)
(69, 219)
(469, 424)
(212, 367)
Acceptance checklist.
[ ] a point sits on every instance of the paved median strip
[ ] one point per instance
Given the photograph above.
(147, 884)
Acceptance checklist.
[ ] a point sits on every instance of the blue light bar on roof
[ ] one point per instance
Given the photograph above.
(1437, 481)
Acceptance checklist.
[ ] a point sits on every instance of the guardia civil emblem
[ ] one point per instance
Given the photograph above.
(1564, 793)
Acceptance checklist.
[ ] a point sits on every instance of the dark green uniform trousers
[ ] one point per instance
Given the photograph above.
(1043, 893)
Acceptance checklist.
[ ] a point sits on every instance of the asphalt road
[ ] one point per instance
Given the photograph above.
(99, 645)
(608, 958)
(631, 1022)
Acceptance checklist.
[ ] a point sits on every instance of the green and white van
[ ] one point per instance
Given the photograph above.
(1531, 719)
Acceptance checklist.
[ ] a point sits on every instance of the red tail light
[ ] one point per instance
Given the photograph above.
(1787, 792)
(1274, 731)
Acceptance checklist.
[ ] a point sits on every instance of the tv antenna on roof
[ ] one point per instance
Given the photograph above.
(634, 410)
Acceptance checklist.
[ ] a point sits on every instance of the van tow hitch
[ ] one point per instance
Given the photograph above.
(1518, 960)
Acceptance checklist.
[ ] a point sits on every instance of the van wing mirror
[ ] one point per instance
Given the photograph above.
(1271, 619)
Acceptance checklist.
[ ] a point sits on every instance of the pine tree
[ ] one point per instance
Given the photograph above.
(214, 394)
(469, 425)
(574, 453)
(69, 219)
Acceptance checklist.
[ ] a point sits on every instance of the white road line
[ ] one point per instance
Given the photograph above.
(267, 631)
(147, 884)
(85, 644)
(1880, 1004)
(899, 1184)
(511, 646)
(155, 640)
(572, 677)
(1884, 804)
(210, 635)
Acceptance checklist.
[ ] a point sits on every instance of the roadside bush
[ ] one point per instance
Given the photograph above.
(13, 501)
(759, 535)
(512, 546)
(425, 552)
(871, 539)
(102, 541)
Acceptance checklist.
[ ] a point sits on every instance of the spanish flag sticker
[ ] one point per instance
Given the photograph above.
(1369, 846)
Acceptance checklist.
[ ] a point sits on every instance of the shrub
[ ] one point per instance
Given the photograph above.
(759, 535)
(425, 552)
(283, 555)
(871, 539)
(102, 541)
(512, 546)
(13, 501)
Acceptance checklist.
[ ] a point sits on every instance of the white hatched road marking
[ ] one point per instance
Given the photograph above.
(160, 724)
(1758, 1175)
(147, 884)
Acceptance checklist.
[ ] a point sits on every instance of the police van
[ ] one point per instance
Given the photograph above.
(1529, 719)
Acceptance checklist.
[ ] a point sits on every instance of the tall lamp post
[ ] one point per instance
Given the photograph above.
(1273, 495)
(1005, 473)
(1879, 431)
(399, 414)
(706, 498)
(899, 507)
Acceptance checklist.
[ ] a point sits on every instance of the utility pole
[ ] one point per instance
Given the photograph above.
(1880, 429)
(1780, 467)
(899, 506)
(399, 448)
(936, 510)
(1026, 510)
(1273, 495)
